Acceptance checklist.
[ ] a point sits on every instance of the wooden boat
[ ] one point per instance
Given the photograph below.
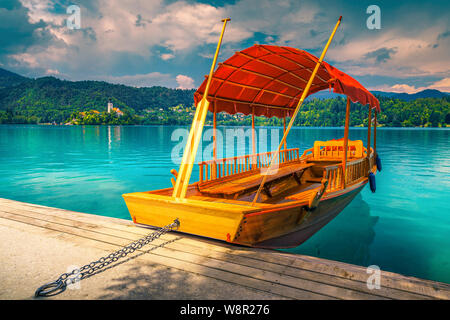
(275, 199)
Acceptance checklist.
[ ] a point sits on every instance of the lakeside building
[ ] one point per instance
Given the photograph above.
(111, 109)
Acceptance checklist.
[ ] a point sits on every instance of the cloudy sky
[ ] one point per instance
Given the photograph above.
(170, 42)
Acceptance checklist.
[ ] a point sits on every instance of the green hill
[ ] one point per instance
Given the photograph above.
(10, 79)
(48, 100)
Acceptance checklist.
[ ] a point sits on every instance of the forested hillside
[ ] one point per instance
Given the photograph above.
(9, 79)
(428, 112)
(51, 100)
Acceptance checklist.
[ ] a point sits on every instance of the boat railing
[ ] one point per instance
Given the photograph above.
(334, 176)
(358, 169)
(355, 171)
(218, 168)
(308, 153)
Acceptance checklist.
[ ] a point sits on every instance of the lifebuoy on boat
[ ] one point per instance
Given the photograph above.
(373, 186)
(378, 162)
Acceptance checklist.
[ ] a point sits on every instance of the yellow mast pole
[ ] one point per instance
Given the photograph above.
(182, 182)
(300, 102)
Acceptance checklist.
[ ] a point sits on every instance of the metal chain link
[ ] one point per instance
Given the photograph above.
(65, 279)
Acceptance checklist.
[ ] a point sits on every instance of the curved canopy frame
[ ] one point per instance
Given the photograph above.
(267, 80)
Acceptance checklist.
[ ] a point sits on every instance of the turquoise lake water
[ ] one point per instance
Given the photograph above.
(404, 227)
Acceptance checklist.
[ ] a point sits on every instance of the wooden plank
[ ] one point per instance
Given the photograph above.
(153, 266)
(109, 222)
(328, 279)
(202, 243)
(204, 266)
(188, 254)
(304, 195)
(197, 242)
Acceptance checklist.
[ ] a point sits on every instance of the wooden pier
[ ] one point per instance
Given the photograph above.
(39, 243)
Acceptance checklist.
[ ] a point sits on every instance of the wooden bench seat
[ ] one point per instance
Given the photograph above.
(305, 195)
(318, 171)
(239, 184)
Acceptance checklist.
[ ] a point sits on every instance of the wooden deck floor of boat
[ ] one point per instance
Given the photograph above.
(39, 243)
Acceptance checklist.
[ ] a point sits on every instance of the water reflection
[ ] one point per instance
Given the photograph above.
(113, 135)
(346, 238)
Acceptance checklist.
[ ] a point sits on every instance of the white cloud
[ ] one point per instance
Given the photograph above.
(185, 82)
(403, 88)
(167, 56)
(306, 14)
(441, 85)
(52, 72)
(113, 30)
(25, 59)
(41, 10)
(140, 80)
(398, 88)
(410, 56)
(289, 20)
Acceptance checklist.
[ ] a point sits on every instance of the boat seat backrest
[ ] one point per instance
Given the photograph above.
(334, 149)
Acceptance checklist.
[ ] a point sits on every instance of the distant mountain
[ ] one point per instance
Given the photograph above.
(428, 93)
(10, 79)
(324, 94)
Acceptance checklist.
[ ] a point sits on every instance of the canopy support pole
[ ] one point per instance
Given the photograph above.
(214, 168)
(344, 161)
(253, 159)
(300, 102)
(284, 129)
(375, 133)
(214, 133)
(369, 129)
(253, 132)
(184, 174)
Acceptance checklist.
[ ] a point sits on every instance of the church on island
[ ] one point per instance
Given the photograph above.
(111, 109)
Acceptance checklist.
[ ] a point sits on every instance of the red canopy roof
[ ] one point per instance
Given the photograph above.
(270, 80)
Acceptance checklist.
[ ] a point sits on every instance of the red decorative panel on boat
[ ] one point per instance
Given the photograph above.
(270, 81)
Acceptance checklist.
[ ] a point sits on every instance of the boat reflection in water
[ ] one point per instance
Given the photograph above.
(337, 241)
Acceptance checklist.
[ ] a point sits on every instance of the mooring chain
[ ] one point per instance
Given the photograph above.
(65, 279)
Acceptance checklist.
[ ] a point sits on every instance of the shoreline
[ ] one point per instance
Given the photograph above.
(210, 125)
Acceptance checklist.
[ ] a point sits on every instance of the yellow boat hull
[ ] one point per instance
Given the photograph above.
(270, 226)
(208, 219)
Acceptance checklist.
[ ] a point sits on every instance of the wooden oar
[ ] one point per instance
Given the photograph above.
(187, 162)
(300, 102)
